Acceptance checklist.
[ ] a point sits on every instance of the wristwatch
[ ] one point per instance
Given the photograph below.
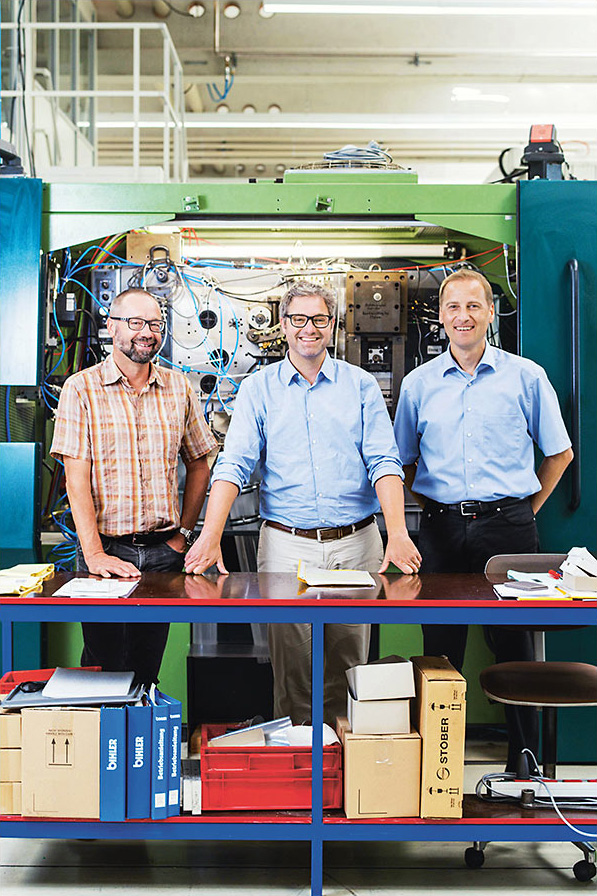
(189, 535)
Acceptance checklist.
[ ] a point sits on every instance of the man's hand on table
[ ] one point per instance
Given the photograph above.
(205, 553)
(106, 565)
(402, 552)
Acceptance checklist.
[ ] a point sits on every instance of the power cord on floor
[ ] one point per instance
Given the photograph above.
(488, 781)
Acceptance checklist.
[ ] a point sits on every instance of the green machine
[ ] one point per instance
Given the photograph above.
(389, 207)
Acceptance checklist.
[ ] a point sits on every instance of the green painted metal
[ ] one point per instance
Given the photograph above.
(558, 222)
(339, 175)
(500, 228)
(125, 206)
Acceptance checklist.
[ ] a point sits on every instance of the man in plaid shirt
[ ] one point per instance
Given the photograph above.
(120, 427)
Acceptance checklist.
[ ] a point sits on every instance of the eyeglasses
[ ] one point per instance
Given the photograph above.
(321, 321)
(137, 323)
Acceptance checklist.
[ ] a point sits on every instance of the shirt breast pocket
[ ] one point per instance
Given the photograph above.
(502, 434)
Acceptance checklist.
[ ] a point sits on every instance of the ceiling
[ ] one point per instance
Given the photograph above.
(438, 91)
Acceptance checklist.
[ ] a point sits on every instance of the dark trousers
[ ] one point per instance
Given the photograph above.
(450, 542)
(126, 646)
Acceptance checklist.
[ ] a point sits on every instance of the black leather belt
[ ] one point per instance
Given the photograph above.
(474, 508)
(331, 534)
(145, 539)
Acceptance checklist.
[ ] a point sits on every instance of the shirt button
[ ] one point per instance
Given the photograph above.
(470, 460)
(469, 409)
(468, 435)
(314, 441)
(317, 468)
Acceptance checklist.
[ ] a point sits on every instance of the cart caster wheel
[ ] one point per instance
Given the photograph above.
(584, 870)
(474, 858)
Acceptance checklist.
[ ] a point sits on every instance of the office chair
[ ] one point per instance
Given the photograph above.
(547, 685)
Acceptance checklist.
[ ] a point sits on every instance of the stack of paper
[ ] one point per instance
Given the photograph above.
(24, 577)
(348, 578)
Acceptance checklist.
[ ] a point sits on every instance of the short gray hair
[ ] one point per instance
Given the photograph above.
(119, 300)
(306, 288)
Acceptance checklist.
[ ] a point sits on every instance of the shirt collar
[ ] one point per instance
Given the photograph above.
(488, 359)
(112, 373)
(288, 371)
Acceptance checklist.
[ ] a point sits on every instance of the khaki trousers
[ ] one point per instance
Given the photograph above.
(290, 643)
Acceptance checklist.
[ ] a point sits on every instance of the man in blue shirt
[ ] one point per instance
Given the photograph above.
(466, 425)
(320, 431)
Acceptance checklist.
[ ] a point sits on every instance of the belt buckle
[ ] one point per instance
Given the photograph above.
(135, 543)
(466, 508)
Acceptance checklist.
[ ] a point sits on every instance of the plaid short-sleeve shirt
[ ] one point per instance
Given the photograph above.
(132, 441)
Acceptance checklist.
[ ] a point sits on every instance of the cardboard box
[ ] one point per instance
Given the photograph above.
(381, 774)
(389, 678)
(60, 762)
(10, 798)
(378, 716)
(10, 764)
(439, 714)
(10, 729)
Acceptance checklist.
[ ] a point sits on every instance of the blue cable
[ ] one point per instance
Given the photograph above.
(82, 285)
(350, 153)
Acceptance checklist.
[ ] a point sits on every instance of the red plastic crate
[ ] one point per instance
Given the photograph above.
(10, 679)
(265, 777)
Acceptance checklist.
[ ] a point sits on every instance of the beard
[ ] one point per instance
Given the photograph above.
(138, 352)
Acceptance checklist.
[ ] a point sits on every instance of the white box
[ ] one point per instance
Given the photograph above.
(379, 716)
(389, 678)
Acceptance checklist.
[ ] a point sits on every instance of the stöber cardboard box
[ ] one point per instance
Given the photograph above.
(10, 764)
(378, 716)
(381, 773)
(61, 762)
(10, 729)
(439, 714)
(10, 798)
(389, 678)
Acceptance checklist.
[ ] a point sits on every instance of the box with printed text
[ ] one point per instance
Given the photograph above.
(439, 714)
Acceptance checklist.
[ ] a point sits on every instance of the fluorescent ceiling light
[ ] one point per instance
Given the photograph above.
(435, 7)
(368, 124)
(476, 95)
(297, 249)
(408, 226)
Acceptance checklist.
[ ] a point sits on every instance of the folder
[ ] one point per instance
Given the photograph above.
(112, 763)
(174, 707)
(138, 763)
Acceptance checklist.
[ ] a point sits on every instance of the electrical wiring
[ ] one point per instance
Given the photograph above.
(489, 780)
(351, 153)
(505, 254)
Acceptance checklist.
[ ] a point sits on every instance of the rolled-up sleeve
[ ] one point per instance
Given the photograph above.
(71, 430)
(546, 425)
(406, 428)
(244, 440)
(197, 439)
(379, 450)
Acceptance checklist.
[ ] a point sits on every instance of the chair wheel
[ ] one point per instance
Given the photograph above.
(474, 858)
(584, 870)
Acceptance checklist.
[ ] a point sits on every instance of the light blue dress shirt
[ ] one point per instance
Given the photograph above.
(473, 434)
(321, 447)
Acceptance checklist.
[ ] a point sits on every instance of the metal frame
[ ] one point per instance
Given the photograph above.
(316, 829)
(171, 93)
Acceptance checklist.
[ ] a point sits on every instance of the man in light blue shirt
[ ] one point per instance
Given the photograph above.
(466, 426)
(320, 431)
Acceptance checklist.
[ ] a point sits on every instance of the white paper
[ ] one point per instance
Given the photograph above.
(83, 587)
(349, 578)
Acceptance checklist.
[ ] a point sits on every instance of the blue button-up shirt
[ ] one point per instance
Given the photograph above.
(321, 447)
(473, 434)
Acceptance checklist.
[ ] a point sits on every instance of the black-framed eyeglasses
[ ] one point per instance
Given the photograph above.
(321, 321)
(137, 323)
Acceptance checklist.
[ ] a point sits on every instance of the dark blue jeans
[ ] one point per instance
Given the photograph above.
(449, 542)
(125, 646)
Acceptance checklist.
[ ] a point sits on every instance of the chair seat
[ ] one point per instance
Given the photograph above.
(541, 684)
